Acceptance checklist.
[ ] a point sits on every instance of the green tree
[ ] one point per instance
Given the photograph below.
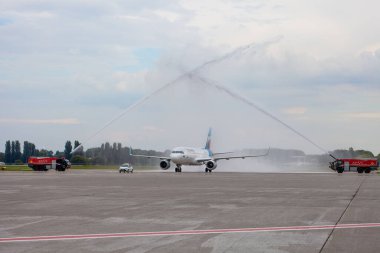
(80, 150)
(17, 151)
(364, 154)
(78, 159)
(32, 149)
(25, 153)
(119, 153)
(13, 151)
(107, 153)
(351, 152)
(7, 154)
(29, 150)
(59, 153)
(44, 152)
(68, 149)
(18, 162)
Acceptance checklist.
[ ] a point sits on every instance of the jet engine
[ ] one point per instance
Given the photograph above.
(211, 165)
(165, 164)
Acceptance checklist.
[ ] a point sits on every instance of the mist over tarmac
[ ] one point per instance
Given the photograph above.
(179, 113)
(182, 114)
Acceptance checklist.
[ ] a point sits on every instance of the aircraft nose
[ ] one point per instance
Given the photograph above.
(177, 157)
(174, 156)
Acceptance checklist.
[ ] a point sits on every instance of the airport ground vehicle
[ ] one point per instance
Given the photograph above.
(46, 163)
(125, 167)
(359, 164)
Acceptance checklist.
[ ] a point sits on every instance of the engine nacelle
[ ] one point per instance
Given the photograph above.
(211, 165)
(165, 164)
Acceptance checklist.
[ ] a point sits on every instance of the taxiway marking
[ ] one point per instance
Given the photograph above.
(186, 232)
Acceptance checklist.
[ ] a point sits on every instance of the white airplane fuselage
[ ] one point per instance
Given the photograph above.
(189, 156)
(195, 156)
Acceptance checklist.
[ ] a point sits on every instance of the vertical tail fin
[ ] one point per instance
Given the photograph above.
(208, 142)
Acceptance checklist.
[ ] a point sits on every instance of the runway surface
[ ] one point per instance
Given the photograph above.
(104, 211)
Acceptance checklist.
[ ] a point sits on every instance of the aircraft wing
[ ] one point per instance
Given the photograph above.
(149, 156)
(227, 157)
(152, 156)
(202, 160)
(223, 153)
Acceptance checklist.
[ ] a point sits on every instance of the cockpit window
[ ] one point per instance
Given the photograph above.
(177, 152)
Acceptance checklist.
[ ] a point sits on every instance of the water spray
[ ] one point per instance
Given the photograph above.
(194, 74)
(188, 74)
(239, 97)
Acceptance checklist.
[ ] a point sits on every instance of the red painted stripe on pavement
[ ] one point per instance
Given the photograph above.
(187, 232)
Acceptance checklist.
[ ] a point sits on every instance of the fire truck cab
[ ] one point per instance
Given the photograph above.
(358, 164)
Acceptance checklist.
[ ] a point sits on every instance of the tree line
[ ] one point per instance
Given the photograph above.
(110, 154)
(115, 153)
(13, 152)
(351, 153)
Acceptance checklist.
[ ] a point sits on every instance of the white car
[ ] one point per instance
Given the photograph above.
(125, 167)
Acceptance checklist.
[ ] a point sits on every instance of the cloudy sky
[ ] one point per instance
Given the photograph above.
(67, 68)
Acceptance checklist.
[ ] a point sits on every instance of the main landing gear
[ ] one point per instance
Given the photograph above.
(208, 170)
(178, 169)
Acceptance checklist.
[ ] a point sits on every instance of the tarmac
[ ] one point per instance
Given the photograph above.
(104, 211)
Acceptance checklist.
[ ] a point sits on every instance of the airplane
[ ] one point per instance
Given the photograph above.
(195, 156)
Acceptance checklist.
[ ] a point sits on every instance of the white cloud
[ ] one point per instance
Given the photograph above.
(364, 115)
(295, 110)
(131, 18)
(168, 15)
(65, 121)
(131, 82)
(153, 129)
(81, 54)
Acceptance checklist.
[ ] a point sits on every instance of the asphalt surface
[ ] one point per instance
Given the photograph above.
(34, 204)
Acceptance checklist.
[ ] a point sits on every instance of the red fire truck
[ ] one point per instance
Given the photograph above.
(359, 164)
(46, 163)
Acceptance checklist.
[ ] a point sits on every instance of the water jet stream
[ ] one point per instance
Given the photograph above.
(235, 95)
(190, 73)
(194, 74)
